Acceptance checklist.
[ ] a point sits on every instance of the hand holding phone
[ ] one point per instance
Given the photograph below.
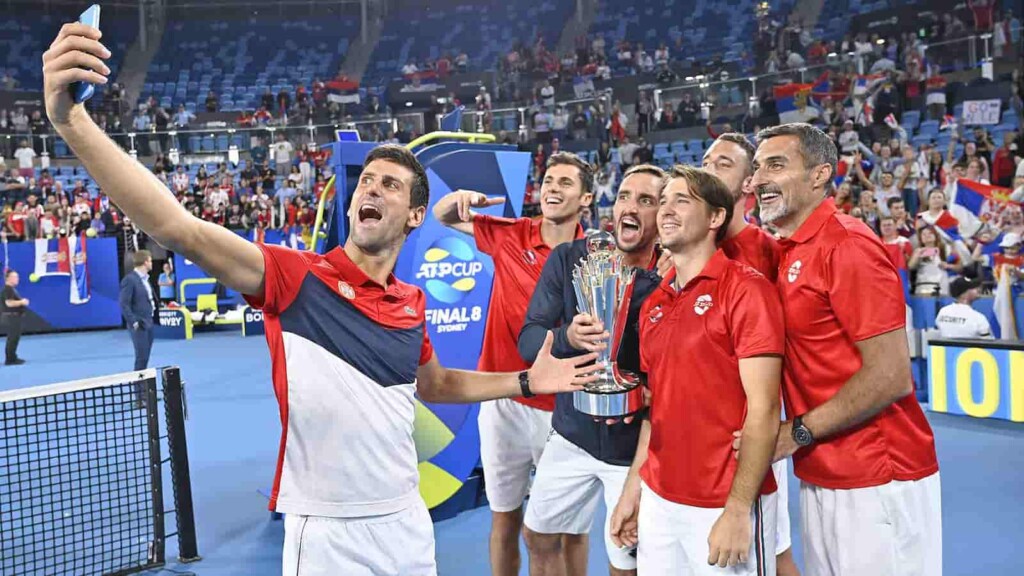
(82, 91)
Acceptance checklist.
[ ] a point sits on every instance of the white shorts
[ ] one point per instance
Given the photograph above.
(783, 539)
(567, 490)
(889, 530)
(399, 544)
(673, 538)
(512, 438)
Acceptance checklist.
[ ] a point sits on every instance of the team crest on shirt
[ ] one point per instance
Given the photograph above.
(656, 314)
(410, 311)
(346, 290)
(529, 257)
(794, 271)
(703, 304)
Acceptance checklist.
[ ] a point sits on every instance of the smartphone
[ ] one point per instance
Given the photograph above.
(82, 91)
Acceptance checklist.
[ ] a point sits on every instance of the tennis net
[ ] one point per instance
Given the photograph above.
(82, 475)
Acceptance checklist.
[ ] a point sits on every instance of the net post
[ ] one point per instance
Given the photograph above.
(148, 391)
(174, 405)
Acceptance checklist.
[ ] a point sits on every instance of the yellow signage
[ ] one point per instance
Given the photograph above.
(976, 380)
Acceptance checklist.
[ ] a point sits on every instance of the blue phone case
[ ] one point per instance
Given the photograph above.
(82, 91)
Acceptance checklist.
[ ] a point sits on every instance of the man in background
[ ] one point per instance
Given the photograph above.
(137, 306)
(12, 308)
(959, 319)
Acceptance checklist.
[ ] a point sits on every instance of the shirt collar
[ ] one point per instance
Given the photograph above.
(348, 270)
(712, 270)
(537, 239)
(814, 222)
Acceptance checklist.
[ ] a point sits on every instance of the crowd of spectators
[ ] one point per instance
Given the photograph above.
(278, 188)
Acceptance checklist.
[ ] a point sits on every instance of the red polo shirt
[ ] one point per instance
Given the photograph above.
(519, 254)
(838, 287)
(691, 342)
(755, 248)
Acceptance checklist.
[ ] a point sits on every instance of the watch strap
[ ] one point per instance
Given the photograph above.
(524, 384)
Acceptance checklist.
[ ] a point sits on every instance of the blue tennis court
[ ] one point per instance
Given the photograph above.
(233, 435)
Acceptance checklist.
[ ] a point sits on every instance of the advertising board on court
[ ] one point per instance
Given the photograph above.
(977, 378)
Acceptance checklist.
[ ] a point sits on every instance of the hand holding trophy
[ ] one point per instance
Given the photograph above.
(604, 288)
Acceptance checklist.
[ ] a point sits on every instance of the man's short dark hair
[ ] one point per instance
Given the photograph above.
(139, 258)
(394, 153)
(585, 169)
(743, 142)
(710, 189)
(816, 147)
(893, 201)
(9, 272)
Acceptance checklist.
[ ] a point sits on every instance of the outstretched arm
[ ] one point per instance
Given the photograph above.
(454, 210)
(141, 196)
(548, 375)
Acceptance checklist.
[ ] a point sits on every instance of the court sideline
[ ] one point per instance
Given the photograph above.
(233, 437)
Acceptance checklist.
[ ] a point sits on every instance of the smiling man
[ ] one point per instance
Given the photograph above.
(513, 432)
(731, 159)
(711, 341)
(869, 497)
(347, 341)
(584, 457)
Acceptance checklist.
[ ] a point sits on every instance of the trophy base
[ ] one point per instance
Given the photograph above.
(608, 401)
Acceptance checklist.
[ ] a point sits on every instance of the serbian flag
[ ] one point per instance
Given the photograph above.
(52, 257)
(983, 200)
(794, 103)
(948, 226)
(948, 121)
(79, 270)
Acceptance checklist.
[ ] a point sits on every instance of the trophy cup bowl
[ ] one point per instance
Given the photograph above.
(604, 288)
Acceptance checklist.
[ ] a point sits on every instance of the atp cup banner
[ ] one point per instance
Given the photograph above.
(457, 280)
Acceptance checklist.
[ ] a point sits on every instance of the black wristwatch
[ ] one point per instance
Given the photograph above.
(524, 384)
(801, 434)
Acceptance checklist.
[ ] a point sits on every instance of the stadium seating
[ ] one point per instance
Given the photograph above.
(484, 30)
(239, 59)
(651, 22)
(23, 41)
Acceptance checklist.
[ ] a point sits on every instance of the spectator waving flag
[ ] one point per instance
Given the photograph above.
(948, 227)
(52, 258)
(983, 200)
(79, 270)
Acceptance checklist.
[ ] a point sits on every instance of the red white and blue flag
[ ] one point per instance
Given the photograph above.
(985, 201)
(52, 257)
(79, 270)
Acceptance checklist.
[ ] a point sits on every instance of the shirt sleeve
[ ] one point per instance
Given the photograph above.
(284, 271)
(427, 348)
(547, 311)
(984, 328)
(864, 289)
(491, 231)
(755, 316)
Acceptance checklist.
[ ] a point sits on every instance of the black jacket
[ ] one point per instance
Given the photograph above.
(553, 307)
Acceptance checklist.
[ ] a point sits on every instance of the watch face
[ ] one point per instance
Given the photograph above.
(802, 436)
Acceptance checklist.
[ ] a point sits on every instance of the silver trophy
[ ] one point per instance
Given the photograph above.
(604, 287)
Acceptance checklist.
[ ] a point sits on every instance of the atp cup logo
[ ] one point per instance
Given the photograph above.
(450, 267)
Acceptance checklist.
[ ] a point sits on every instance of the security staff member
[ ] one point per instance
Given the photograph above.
(959, 320)
(137, 306)
(12, 308)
